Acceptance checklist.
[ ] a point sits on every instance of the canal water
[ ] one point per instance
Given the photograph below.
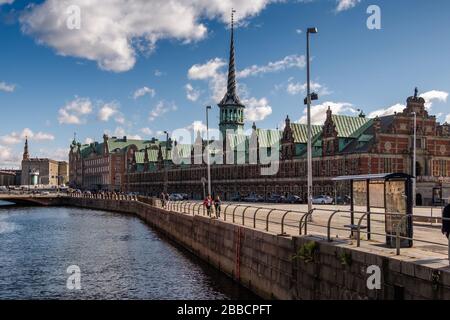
(119, 257)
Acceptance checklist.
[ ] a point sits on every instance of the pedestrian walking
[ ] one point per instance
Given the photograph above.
(167, 197)
(446, 220)
(208, 203)
(163, 199)
(217, 204)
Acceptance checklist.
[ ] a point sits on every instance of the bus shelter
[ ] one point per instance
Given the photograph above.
(389, 192)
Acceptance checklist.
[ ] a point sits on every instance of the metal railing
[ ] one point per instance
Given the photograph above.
(291, 222)
(105, 196)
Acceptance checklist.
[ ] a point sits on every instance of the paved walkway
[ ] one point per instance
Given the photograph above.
(430, 246)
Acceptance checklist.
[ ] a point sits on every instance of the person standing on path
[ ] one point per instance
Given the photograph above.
(217, 204)
(163, 199)
(208, 202)
(446, 222)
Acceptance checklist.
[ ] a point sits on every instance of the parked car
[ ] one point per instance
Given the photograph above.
(175, 197)
(275, 198)
(322, 200)
(236, 197)
(253, 198)
(185, 196)
(292, 199)
(342, 200)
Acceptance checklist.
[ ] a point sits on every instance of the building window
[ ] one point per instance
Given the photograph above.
(440, 168)
(387, 165)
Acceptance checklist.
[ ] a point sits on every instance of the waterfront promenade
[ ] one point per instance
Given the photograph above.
(332, 223)
(280, 252)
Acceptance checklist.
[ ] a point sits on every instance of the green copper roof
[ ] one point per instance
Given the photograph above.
(300, 132)
(350, 127)
(184, 150)
(120, 143)
(365, 138)
(140, 156)
(237, 141)
(93, 148)
(268, 138)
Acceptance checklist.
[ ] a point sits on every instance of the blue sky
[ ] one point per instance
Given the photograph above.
(145, 67)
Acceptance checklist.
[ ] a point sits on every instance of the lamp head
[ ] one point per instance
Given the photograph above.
(312, 30)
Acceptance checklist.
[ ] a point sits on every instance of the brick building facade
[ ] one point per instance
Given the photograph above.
(42, 171)
(343, 145)
(102, 166)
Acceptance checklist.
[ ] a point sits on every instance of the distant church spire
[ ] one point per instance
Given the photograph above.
(26, 154)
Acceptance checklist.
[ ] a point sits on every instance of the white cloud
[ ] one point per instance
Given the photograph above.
(343, 5)
(59, 154)
(19, 137)
(396, 108)
(197, 126)
(112, 31)
(447, 119)
(429, 96)
(147, 131)
(192, 94)
(295, 88)
(432, 96)
(212, 73)
(158, 73)
(299, 31)
(120, 118)
(257, 110)
(319, 114)
(292, 61)
(41, 136)
(207, 70)
(109, 110)
(6, 2)
(7, 158)
(143, 91)
(7, 87)
(121, 132)
(74, 111)
(215, 73)
(88, 140)
(161, 108)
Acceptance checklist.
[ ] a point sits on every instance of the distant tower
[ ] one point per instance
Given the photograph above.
(26, 154)
(231, 108)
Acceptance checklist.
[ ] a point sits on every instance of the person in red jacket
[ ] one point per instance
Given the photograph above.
(208, 203)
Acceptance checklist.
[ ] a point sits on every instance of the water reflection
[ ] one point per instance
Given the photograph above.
(119, 256)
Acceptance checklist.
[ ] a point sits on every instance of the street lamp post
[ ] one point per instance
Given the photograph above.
(414, 158)
(166, 174)
(207, 150)
(308, 100)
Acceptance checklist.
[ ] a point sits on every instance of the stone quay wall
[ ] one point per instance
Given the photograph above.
(265, 262)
